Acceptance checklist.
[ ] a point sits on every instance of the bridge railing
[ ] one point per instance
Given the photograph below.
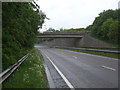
(5, 74)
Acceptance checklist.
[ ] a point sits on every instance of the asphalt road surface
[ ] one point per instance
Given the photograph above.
(80, 70)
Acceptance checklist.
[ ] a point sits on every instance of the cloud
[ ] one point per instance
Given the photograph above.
(73, 13)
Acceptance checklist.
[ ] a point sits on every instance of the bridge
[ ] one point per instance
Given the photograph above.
(61, 35)
(71, 39)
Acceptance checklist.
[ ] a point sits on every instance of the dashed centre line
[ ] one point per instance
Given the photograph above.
(74, 57)
(109, 68)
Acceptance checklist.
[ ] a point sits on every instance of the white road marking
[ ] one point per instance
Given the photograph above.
(61, 74)
(81, 53)
(108, 68)
(74, 57)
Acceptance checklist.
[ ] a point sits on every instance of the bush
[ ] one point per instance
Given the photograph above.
(20, 24)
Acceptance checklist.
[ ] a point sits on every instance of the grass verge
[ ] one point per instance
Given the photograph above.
(112, 55)
(31, 73)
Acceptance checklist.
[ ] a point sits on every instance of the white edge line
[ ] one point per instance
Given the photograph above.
(50, 81)
(108, 68)
(61, 74)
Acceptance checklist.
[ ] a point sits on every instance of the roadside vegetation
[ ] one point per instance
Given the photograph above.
(66, 30)
(105, 27)
(20, 24)
(112, 55)
(31, 73)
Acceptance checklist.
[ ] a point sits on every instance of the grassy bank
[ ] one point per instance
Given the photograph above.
(112, 55)
(30, 74)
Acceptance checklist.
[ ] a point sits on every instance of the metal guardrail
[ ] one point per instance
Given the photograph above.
(88, 49)
(5, 74)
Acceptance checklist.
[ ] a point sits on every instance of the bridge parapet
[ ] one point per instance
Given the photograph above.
(61, 35)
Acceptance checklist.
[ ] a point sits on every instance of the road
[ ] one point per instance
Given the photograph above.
(80, 69)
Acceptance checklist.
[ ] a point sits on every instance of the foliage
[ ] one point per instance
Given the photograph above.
(73, 30)
(89, 28)
(23, 76)
(66, 30)
(105, 26)
(52, 30)
(113, 34)
(20, 24)
(112, 55)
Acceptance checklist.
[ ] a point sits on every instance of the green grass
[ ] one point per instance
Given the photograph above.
(95, 53)
(102, 48)
(31, 73)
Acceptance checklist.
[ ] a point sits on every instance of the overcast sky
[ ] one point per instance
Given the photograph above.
(73, 13)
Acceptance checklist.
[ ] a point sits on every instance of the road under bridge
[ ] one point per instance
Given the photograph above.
(72, 39)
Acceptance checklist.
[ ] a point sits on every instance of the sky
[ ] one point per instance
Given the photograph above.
(68, 14)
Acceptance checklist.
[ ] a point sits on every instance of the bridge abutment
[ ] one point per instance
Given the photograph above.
(85, 41)
(72, 39)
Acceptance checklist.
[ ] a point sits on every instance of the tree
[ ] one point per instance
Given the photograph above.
(113, 34)
(20, 25)
(51, 30)
(98, 22)
(105, 28)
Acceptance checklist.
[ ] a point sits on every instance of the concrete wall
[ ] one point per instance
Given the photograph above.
(70, 42)
(86, 41)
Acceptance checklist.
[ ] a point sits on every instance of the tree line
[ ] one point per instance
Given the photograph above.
(106, 26)
(65, 30)
(20, 24)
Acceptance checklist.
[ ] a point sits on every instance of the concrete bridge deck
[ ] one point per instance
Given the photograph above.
(59, 36)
